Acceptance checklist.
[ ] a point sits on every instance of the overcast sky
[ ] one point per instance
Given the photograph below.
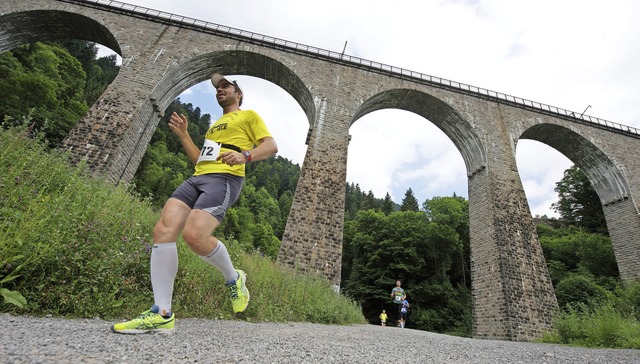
(576, 55)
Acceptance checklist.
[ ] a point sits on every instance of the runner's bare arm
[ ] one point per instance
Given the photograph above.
(178, 125)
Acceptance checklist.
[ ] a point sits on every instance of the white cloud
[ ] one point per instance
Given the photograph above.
(540, 168)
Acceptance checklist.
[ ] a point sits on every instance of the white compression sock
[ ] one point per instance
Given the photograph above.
(164, 267)
(220, 259)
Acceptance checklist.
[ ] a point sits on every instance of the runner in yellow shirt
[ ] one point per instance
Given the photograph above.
(199, 204)
(383, 318)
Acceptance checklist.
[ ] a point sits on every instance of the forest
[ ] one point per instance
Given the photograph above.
(425, 244)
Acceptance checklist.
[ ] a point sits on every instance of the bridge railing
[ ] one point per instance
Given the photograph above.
(366, 63)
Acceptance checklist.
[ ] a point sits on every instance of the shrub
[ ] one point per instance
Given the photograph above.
(576, 289)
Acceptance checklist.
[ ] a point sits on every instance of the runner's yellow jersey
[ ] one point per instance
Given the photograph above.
(242, 128)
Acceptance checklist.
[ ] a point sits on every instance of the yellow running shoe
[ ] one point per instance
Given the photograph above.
(238, 292)
(148, 321)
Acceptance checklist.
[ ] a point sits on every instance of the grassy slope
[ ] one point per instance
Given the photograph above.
(77, 246)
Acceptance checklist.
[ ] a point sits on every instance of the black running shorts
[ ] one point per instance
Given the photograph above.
(213, 193)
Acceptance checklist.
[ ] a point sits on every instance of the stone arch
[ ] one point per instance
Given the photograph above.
(37, 25)
(604, 174)
(200, 68)
(440, 114)
(610, 182)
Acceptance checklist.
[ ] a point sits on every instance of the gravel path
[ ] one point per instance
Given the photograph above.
(53, 340)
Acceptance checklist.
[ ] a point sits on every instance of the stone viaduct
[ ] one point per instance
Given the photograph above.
(164, 54)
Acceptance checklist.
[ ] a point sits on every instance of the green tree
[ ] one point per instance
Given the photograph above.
(387, 205)
(595, 254)
(160, 173)
(572, 251)
(276, 174)
(353, 200)
(284, 204)
(263, 205)
(578, 203)
(45, 82)
(370, 274)
(409, 203)
(348, 254)
(449, 220)
(100, 72)
(370, 202)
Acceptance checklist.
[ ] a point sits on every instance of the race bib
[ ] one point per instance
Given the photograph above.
(210, 151)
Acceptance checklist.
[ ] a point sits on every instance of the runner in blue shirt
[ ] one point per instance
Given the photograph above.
(404, 310)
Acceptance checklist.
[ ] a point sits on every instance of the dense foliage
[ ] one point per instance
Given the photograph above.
(427, 250)
(46, 82)
(578, 203)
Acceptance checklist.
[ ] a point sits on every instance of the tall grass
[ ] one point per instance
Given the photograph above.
(601, 326)
(76, 246)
